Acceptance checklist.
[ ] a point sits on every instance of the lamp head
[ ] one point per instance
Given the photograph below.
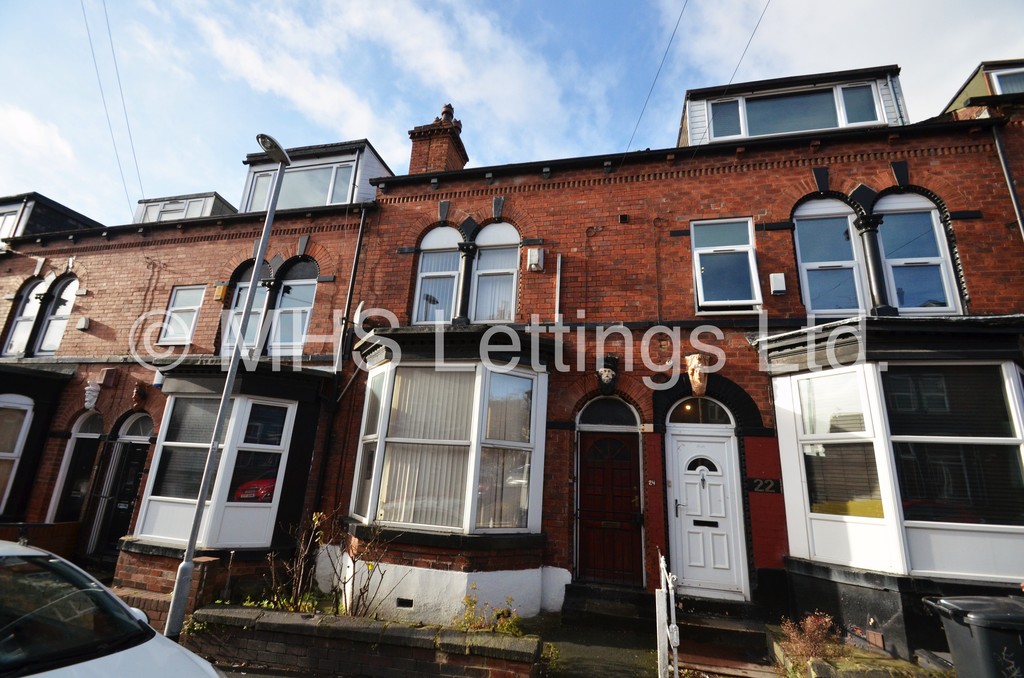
(273, 149)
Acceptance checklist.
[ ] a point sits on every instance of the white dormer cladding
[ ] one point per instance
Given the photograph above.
(752, 110)
(176, 208)
(325, 175)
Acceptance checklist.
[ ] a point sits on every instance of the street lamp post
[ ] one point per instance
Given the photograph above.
(183, 580)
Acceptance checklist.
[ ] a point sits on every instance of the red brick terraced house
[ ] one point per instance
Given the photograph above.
(784, 353)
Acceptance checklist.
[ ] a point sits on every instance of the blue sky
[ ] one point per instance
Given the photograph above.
(529, 80)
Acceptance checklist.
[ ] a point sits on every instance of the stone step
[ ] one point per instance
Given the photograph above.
(603, 605)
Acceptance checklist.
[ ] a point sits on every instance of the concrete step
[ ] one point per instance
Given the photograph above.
(595, 604)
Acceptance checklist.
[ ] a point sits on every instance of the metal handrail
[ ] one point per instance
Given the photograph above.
(668, 631)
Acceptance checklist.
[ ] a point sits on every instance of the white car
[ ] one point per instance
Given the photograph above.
(57, 621)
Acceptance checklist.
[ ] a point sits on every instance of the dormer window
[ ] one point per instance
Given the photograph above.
(831, 107)
(1009, 81)
(308, 186)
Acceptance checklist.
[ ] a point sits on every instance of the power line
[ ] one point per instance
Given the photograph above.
(120, 91)
(651, 90)
(106, 112)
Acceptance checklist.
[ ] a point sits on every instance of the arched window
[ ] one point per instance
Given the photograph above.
(830, 258)
(58, 311)
(437, 280)
(495, 273)
(23, 321)
(699, 411)
(281, 307)
(607, 412)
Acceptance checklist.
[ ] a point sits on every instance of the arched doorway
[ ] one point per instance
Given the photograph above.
(75, 475)
(120, 489)
(609, 516)
(705, 511)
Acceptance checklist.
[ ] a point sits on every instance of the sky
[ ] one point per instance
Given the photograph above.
(106, 102)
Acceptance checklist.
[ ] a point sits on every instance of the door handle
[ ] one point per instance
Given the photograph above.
(678, 504)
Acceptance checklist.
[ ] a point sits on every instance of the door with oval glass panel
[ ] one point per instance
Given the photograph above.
(706, 540)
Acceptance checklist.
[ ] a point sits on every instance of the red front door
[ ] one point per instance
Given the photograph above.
(609, 520)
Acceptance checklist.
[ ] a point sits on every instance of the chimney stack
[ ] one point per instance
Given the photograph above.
(437, 147)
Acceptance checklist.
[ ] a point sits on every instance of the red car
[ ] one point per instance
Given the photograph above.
(259, 490)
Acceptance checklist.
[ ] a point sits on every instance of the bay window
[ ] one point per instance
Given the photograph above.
(454, 449)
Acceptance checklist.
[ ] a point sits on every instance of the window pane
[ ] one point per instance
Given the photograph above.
(265, 425)
(194, 209)
(260, 189)
(494, 297)
(11, 420)
(187, 296)
(947, 400)
(373, 398)
(608, 411)
(725, 118)
(503, 493)
(76, 480)
(842, 479)
(297, 295)
(500, 259)
(509, 407)
(436, 298)
(6, 468)
(19, 335)
(919, 286)
(52, 335)
(254, 478)
(725, 276)
(303, 188)
(1011, 83)
(961, 483)
(342, 184)
(822, 240)
(859, 103)
(423, 484)
(181, 472)
(178, 326)
(192, 419)
(699, 411)
(721, 234)
(141, 427)
(439, 262)
(431, 405)
(364, 478)
(792, 113)
(909, 235)
(831, 404)
(832, 289)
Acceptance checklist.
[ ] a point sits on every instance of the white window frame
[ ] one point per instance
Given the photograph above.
(730, 305)
(173, 314)
(275, 346)
(8, 224)
(222, 518)
(14, 401)
(997, 86)
(268, 312)
(173, 210)
(54, 314)
(497, 236)
(31, 290)
(822, 209)
(442, 239)
(913, 203)
(266, 174)
(840, 106)
(482, 376)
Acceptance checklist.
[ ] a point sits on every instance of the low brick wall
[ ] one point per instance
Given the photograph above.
(328, 645)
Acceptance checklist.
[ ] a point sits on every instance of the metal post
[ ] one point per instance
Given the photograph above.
(183, 580)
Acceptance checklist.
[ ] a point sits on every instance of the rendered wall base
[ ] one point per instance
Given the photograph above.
(325, 645)
(419, 594)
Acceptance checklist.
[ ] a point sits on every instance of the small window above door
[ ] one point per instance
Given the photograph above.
(700, 411)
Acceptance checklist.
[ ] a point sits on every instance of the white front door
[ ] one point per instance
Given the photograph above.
(707, 548)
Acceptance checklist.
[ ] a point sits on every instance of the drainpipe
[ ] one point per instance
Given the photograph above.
(467, 253)
(1008, 175)
(867, 227)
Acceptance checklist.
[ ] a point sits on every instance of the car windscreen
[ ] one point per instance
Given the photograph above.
(51, 615)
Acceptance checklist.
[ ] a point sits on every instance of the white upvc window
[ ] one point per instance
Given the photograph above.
(249, 467)
(8, 223)
(438, 276)
(845, 105)
(917, 262)
(724, 264)
(182, 314)
(15, 419)
(57, 313)
(304, 185)
(453, 450)
(917, 265)
(172, 210)
(25, 318)
(281, 309)
(495, 274)
(1009, 81)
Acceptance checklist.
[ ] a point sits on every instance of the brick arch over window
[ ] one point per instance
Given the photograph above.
(729, 393)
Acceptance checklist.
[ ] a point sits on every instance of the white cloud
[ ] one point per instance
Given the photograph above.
(26, 136)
